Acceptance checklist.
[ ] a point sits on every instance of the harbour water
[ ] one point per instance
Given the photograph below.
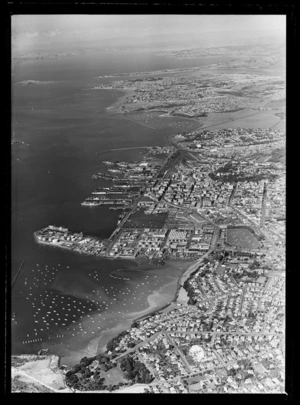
(61, 300)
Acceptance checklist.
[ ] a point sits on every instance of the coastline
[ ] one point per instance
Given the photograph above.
(115, 108)
(160, 299)
(153, 307)
(156, 302)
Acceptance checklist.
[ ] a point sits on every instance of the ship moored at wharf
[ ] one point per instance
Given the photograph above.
(90, 203)
(127, 181)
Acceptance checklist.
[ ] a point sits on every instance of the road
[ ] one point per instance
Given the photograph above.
(134, 207)
(178, 351)
(278, 236)
(133, 349)
(242, 298)
(123, 221)
(233, 191)
(238, 333)
(276, 274)
(206, 369)
(218, 285)
(193, 267)
(232, 194)
(233, 280)
(182, 356)
(255, 225)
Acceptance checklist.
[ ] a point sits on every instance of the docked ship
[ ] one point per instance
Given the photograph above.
(115, 170)
(90, 203)
(101, 176)
(93, 199)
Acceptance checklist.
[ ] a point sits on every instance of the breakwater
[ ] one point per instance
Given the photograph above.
(18, 273)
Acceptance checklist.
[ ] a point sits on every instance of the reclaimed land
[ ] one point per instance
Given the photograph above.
(141, 220)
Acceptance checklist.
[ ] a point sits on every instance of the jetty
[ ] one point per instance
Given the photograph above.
(17, 274)
(118, 149)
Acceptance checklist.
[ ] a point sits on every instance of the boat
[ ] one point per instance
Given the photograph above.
(101, 176)
(92, 199)
(115, 170)
(90, 203)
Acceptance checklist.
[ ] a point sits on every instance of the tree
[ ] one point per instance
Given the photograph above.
(254, 265)
(76, 368)
(72, 380)
(85, 361)
(131, 344)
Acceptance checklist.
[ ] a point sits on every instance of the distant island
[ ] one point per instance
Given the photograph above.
(33, 82)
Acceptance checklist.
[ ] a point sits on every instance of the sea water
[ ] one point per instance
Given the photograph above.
(61, 299)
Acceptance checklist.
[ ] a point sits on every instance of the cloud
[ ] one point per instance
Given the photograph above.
(29, 35)
(59, 32)
(54, 33)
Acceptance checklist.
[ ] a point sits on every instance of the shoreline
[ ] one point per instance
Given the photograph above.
(116, 107)
(153, 308)
(156, 302)
(182, 278)
(162, 298)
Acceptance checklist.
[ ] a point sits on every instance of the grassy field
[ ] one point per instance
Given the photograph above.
(113, 376)
(242, 237)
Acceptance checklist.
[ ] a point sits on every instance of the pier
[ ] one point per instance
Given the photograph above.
(118, 149)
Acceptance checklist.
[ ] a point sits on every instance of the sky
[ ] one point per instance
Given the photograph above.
(59, 32)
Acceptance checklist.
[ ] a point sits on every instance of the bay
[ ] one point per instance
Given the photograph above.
(61, 300)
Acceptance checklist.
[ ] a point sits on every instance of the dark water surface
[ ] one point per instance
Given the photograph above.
(65, 125)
